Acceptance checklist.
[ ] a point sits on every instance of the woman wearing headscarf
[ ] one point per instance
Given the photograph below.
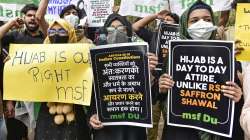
(119, 30)
(51, 121)
(197, 23)
(75, 16)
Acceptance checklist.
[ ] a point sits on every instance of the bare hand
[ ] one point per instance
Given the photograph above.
(94, 122)
(17, 22)
(153, 61)
(232, 91)
(165, 83)
(221, 32)
(241, 77)
(10, 110)
(162, 14)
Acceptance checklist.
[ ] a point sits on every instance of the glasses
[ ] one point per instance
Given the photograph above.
(80, 27)
(60, 32)
(119, 28)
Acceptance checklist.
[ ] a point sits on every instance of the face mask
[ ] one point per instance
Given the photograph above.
(72, 19)
(201, 30)
(117, 37)
(58, 39)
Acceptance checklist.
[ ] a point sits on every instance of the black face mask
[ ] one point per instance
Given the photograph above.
(58, 39)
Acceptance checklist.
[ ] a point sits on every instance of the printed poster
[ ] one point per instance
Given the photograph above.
(122, 84)
(200, 69)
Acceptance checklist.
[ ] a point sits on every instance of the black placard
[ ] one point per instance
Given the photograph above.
(166, 33)
(199, 69)
(122, 84)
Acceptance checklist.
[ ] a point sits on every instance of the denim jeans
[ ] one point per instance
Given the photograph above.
(3, 129)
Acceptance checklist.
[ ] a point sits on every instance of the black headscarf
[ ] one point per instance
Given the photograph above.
(199, 5)
(122, 19)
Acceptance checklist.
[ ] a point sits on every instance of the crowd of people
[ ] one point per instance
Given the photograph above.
(32, 28)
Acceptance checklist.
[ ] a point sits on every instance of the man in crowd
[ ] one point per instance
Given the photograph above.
(13, 32)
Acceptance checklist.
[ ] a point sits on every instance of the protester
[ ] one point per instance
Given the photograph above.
(70, 13)
(81, 33)
(151, 38)
(76, 17)
(197, 16)
(50, 126)
(245, 114)
(30, 34)
(119, 30)
(3, 130)
(72, 28)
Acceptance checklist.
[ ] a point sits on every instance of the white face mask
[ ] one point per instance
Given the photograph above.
(201, 30)
(72, 19)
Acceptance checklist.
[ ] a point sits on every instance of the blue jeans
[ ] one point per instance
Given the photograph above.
(3, 129)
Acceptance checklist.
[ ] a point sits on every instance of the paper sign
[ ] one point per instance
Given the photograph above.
(48, 73)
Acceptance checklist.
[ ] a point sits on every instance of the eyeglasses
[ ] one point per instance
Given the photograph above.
(119, 28)
(80, 27)
(61, 32)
